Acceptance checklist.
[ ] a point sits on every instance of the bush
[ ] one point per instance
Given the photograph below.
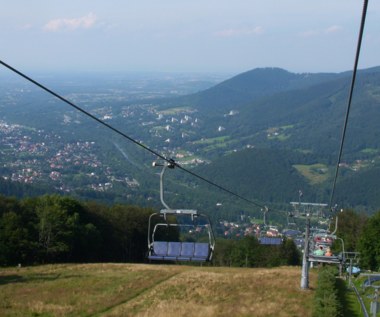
(326, 302)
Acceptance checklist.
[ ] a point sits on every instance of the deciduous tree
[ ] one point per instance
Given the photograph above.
(369, 243)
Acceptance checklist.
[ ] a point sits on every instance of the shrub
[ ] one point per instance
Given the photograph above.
(326, 302)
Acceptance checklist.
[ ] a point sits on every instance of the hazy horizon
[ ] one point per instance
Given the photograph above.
(180, 36)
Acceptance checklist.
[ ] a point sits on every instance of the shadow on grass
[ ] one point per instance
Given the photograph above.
(347, 309)
(9, 279)
(41, 277)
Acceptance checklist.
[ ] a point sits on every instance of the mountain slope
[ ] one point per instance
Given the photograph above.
(316, 115)
(249, 86)
(263, 175)
(360, 189)
(309, 119)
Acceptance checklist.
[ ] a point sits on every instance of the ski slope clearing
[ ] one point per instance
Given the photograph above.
(152, 290)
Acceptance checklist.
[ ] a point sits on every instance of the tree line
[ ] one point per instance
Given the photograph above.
(360, 233)
(248, 252)
(53, 229)
(56, 229)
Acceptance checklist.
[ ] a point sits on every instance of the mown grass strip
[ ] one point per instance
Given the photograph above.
(132, 297)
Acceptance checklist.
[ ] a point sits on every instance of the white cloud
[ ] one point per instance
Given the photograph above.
(309, 33)
(84, 22)
(240, 32)
(333, 29)
(330, 30)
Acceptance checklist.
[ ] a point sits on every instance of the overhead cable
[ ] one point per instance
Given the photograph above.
(169, 160)
(81, 110)
(361, 31)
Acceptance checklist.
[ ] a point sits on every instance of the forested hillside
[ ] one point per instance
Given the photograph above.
(360, 189)
(263, 174)
(293, 123)
(300, 113)
(307, 117)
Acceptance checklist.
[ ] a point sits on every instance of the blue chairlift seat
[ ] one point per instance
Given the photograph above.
(291, 232)
(175, 250)
(159, 250)
(187, 251)
(271, 240)
(179, 251)
(201, 251)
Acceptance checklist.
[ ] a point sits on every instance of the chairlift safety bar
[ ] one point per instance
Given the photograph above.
(308, 204)
(179, 211)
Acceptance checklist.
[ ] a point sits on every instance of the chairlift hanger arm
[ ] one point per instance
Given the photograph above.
(165, 165)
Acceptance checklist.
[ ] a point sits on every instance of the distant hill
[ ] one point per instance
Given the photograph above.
(315, 115)
(252, 85)
(297, 113)
(304, 111)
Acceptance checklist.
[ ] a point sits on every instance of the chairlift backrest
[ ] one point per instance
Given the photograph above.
(187, 249)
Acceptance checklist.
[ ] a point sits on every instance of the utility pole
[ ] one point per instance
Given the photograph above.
(309, 212)
(305, 258)
(350, 273)
(374, 302)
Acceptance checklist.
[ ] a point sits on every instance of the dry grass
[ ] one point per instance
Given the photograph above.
(152, 290)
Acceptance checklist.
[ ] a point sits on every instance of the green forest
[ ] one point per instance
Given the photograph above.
(59, 229)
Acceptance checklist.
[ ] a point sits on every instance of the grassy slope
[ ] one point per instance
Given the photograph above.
(152, 290)
(312, 174)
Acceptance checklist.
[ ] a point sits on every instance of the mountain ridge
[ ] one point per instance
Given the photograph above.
(255, 84)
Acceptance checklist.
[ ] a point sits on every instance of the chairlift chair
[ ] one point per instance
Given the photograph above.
(290, 219)
(322, 239)
(266, 239)
(179, 234)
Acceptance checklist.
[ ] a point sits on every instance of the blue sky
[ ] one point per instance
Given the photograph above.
(187, 35)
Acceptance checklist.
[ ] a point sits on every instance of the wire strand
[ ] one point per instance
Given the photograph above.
(361, 31)
(170, 161)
